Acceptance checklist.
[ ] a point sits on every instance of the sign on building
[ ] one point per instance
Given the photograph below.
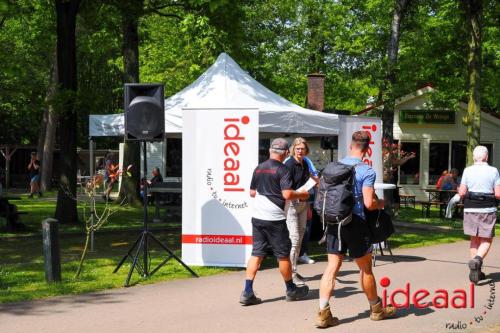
(426, 117)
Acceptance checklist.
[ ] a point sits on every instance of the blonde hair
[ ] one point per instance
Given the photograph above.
(297, 142)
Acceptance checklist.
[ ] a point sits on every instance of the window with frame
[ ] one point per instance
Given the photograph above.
(409, 172)
(438, 160)
(459, 154)
(490, 151)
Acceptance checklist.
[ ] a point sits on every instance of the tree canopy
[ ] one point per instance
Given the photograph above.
(276, 41)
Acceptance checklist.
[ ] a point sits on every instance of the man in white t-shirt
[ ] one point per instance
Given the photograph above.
(480, 189)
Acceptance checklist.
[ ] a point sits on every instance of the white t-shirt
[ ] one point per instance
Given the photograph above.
(481, 178)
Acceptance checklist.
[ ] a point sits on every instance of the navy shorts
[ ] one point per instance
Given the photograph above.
(270, 234)
(354, 237)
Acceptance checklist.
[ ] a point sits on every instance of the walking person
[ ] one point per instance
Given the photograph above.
(271, 185)
(480, 188)
(296, 209)
(354, 237)
(34, 174)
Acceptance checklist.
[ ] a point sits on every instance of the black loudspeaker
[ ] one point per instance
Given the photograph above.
(329, 142)
(144, 112)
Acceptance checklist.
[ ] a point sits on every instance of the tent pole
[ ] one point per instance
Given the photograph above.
(92, 201)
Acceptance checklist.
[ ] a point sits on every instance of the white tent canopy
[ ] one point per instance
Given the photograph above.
(226, 85)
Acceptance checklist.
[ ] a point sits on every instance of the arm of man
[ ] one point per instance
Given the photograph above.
(497, 186)
(292, 195)
(253, 184)
(462, 188)
(370, 199)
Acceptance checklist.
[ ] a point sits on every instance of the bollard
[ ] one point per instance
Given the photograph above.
(50, 231)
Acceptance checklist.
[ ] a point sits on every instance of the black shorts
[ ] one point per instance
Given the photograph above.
(354, 237)
(273, 234)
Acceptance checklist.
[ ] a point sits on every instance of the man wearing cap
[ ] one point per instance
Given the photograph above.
(271, 186)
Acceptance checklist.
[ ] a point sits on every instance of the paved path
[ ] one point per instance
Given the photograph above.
(210, 304)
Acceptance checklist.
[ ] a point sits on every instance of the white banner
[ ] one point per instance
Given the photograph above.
(219, 154)
(373, 157)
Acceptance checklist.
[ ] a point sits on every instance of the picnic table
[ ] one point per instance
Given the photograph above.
(9, 212)
(437, 197)
(166, 194)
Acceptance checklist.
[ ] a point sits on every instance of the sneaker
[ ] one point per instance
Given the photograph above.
(475, 270)
(325, 319)
(298, 279)
(249, 299)
(40, 194)
(378, 312)
(304, 259)
(297, 293)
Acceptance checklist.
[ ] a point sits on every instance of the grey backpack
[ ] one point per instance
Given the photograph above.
(335, 200)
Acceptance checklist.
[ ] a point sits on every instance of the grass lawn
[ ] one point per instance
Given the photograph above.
(21, 264)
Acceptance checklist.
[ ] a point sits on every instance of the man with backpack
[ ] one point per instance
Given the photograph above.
(346, 189)
(270, 187)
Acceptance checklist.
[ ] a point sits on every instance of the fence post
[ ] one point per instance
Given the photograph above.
(50, 231)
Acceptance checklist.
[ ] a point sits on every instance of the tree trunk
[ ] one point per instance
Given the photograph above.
(130, 49)
(473, 10)
(67, 11)
(46, 153)
(388, 94)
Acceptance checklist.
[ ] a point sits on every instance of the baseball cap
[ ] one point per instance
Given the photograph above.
(279, 144)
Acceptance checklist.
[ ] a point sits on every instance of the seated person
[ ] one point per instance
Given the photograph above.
(441, 178)
(157, 178)
(450, 181)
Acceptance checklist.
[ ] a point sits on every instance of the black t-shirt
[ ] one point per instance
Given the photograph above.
(156, 179)
(299, 172)
(34, 171)
(269, 179)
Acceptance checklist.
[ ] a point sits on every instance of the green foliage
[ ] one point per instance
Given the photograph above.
(26, 55)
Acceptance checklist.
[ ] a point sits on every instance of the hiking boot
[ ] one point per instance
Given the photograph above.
(378, 312)
(249, 299)
(297, 293)
(475, 270)
(325, 319)
(298, 279)
(304, 259)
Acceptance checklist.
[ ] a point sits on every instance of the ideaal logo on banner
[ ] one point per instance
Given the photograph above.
(441, 299)
(233, 140)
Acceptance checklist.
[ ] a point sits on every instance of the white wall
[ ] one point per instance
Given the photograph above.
(424, 134)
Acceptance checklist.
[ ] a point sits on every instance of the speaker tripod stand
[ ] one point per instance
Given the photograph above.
(141, 245)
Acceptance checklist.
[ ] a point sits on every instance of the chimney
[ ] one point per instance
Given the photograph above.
(316, 91)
